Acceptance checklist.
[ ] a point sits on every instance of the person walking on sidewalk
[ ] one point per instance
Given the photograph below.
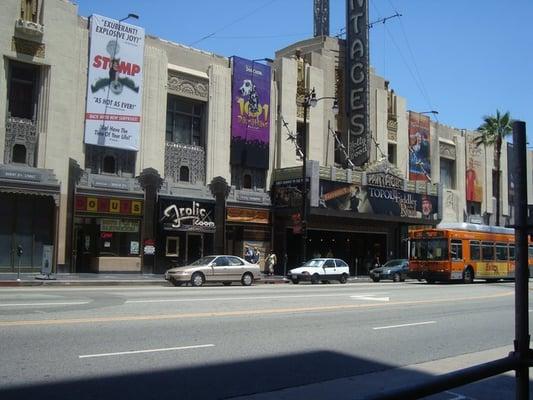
(270, 263)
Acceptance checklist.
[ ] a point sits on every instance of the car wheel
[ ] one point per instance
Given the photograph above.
(295, 281)
(396, 277)
(343, 278)
(197, 279)
(375, 279)
(314, 279)
(226, 283)
(468, 275)
(247, 279)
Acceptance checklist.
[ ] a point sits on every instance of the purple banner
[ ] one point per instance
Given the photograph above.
(250, 113)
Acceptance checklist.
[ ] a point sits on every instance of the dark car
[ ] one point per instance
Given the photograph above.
(396, 270)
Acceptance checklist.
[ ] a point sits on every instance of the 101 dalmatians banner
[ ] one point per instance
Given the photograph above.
(250, 114)
(114, 87)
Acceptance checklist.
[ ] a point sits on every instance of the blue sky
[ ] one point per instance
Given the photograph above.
(463, 58)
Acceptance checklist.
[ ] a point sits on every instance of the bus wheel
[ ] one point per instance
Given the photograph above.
(468, 275)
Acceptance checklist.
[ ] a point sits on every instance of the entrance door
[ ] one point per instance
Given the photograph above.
(195, 247)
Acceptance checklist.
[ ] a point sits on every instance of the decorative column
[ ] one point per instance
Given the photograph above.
(220, 190)
(151, 182)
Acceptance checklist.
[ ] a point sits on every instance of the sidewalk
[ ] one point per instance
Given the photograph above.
(125, 279)
(369, 385)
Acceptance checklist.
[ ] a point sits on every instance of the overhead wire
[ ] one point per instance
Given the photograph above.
(232, 23)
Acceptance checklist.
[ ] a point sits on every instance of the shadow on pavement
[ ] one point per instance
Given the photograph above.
(246, 378)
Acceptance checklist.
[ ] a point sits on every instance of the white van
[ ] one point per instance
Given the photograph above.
(320, 270)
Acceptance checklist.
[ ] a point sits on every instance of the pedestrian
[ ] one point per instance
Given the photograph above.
(256, 255)
(270, 263)
(248, 254)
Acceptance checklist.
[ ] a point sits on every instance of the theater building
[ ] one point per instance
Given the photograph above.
(85, 115)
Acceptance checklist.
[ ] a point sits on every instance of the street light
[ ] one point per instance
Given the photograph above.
(310, 100)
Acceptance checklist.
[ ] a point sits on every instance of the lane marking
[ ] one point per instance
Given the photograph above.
(404, 325)
(71, 303)
(370, 297)
(121, 353)
(241, 313)
(242, 298)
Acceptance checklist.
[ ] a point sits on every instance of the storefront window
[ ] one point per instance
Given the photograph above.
(118, 238)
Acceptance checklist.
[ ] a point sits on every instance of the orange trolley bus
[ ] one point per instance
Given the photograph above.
(462, 252)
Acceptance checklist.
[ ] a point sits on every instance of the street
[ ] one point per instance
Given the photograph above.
(223, 342)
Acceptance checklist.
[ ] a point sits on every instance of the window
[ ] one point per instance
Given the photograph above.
(247, 181)
(530, 251)
(474, 208)
(456, 250)
(173, 246)
(329, 264)
(22, 90)
(184, 121)
(118, 238)
(447, 173)
(487, 251)
(475, 251)
(392, 153)
(511, 252)
(109, 165)
(19, 154)
(433, 249)
(501, 252)
(341, 263)
(184, 174)
(221, 262)
(234, 261)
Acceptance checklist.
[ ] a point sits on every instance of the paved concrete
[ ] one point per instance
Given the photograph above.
(125, 279)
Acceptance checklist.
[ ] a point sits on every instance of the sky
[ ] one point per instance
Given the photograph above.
(462, 58)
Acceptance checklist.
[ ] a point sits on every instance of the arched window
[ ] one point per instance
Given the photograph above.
(109, 165)
(184, 174)
(19, 154)
(247, 181)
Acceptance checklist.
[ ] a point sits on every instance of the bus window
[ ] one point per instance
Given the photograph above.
(475, 251)
(501, 252)
(437, 249)
(456, 250)
(511, 252)
(487, 251)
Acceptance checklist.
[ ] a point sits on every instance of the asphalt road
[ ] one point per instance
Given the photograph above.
(223, 342)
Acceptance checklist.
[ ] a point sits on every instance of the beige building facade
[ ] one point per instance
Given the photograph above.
(88, 201)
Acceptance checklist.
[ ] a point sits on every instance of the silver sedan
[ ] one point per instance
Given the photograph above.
(223, 268)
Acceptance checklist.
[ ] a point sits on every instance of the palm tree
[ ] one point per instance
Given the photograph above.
(493, 131)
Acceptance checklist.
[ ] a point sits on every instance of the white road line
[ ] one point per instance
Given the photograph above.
(71, 303)
(403, 325)
(121, 353)
(245, 298)
(370, 297)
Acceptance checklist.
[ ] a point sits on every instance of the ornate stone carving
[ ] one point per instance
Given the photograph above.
(20, 131)
(28, 47)
(447, 150)
(188, 86)
(30, 29)
(181, 155)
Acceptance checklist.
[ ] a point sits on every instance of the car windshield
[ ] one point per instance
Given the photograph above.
(314, 263)
(429, 249)
(393, 263)
(203, 260)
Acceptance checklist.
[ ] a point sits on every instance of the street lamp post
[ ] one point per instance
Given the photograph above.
(310, 100)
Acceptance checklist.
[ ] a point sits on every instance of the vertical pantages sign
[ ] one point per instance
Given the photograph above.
(250, 114)
(114, 84)
(475, 174)
(419, 147)
(356, 78)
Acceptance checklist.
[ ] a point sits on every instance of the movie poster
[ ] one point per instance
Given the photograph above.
(419, 147)
(114, 87)
(250, 114)
(474, 170)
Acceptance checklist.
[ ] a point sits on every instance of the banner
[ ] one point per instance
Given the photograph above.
(187, 215)
(114, 85)
(250, 114)
(370, 199)
(419, 148)
(475, 174)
